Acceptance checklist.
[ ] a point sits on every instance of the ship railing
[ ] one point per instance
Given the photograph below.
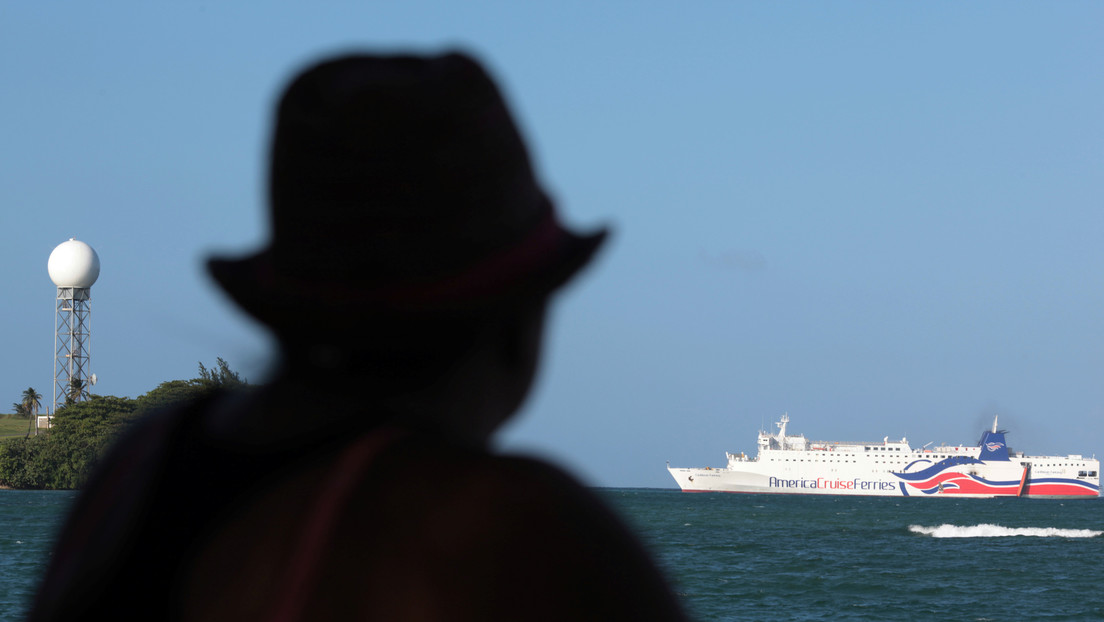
(830, 444)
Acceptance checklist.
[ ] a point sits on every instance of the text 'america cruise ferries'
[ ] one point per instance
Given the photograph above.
(794, 465)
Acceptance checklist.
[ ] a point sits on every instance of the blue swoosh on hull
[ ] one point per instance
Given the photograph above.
(938, 468)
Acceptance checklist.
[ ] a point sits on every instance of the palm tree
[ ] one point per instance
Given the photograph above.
(32, 401)
(76, 391)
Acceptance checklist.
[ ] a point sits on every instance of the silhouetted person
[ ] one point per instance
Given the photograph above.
(412, 257)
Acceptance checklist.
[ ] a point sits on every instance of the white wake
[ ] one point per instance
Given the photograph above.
(996, 531)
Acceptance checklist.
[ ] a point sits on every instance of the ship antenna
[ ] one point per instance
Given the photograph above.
(994, 424)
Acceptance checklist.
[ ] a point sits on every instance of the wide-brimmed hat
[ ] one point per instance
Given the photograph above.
(400, 185)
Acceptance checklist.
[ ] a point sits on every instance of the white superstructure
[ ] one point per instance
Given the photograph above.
(792, 464)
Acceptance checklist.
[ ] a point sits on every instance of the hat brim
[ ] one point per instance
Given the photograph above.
(531, 269)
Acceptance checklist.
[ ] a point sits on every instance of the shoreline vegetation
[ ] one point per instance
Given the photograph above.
(63, 456)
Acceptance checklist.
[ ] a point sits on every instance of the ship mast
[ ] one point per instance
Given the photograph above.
(782, 426)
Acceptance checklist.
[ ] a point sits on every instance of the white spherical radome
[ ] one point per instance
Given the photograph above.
(74, 264)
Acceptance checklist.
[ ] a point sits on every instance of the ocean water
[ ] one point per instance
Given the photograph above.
(776, 557)
(29, 520)
(782, 557)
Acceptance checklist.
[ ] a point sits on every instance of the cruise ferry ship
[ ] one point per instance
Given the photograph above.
(791, 464)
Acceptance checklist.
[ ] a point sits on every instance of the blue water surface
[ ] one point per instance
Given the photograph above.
(779, 557)
(29, 521)
(783, 557)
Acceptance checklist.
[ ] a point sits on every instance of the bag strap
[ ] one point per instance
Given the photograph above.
(302, 572)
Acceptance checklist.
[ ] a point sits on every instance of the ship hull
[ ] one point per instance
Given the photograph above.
(973, 481)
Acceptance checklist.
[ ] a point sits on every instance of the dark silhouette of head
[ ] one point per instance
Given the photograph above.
(407, 222)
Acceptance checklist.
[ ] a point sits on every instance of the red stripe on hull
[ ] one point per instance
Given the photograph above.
(1059, 490)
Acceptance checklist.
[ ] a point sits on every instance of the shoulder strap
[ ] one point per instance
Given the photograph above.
(343, 475)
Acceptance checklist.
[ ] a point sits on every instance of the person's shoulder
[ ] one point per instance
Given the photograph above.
(481, 475)
(479, 491)
(542, 493)
(149, 435)
(535, 484)
(507, 537)
(510, 469)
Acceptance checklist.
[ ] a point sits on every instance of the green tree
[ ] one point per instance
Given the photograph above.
(20, 463)
(80, 437)
(221, 377)
(63, 456)
(75, 392)
(32, 401)
(171, 392)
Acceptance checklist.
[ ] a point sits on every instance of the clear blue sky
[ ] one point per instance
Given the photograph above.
(883, 218)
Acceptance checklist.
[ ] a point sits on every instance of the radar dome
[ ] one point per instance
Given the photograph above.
(74, 264)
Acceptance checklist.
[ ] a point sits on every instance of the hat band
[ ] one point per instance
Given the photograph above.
(488, 276)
